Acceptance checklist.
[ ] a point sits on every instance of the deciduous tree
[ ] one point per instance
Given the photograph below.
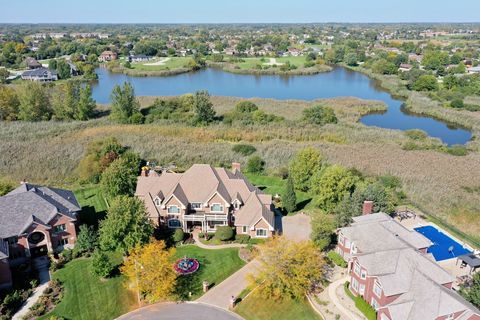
(150, 268)
(124, 103)
(126, 225)
(203, 108)
(305, 163)
(288, 268)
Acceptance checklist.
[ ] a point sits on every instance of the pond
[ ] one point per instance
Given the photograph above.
(339, 82)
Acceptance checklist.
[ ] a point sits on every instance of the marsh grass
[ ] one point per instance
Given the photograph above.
(49, 152)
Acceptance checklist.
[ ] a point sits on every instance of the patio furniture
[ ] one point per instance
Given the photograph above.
(471, 260)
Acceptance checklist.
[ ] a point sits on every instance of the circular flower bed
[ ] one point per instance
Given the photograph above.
(186, 266)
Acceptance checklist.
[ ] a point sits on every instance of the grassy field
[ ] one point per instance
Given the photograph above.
(170, 64)
(215, 266)
(442, 185)
(257, 307)
(88, 297)
(251, 63)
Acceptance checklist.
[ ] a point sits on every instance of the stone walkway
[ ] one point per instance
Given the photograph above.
(221, 294)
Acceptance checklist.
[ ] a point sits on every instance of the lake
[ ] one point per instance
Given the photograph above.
(339, 82)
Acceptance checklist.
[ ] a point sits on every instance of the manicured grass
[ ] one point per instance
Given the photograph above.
(94, 205)
(251, 63)
(172, 63)
(258, 307)
(274, 185)
(88, 297)
(215, 266)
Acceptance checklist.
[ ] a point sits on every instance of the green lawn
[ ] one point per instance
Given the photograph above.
(94, 205)
(257, 307)
(171, 64)
(88, 297)
(215, 266)
(273, 185)
(251, 63)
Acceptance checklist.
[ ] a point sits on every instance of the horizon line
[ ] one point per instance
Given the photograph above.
(245, 23)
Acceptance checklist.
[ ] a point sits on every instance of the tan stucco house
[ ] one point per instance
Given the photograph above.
(207, 197)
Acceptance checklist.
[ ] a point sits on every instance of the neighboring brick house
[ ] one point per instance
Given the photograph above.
(108, 55)
(391, 269)
(207, 197)
(35, 220)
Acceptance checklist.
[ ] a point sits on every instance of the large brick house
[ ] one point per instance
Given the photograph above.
(35, 220)
(390, 268)
(207, 197)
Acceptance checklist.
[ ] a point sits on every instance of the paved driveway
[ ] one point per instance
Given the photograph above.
(297, 227)
(221, 294)
(180, 311)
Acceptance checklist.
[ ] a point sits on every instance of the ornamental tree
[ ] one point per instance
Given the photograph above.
(305, 163)
(288, 268)
(152, 266)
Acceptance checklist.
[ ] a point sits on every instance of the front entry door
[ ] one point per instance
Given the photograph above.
(38, 251)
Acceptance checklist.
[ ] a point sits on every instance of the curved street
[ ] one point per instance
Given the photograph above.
(176, 311)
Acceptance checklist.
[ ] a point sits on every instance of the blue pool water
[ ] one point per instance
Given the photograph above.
(441, 244)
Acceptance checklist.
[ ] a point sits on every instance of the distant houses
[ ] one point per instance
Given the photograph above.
(32, 63)
(139, 58)
(40, 74)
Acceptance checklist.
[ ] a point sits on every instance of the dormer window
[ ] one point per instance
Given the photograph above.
(158, 202)
(236, 205)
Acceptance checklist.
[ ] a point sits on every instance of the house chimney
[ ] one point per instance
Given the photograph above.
(367, 207)
(236, 166)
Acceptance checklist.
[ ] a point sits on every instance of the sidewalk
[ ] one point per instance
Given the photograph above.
(221, 294)
(44, 275)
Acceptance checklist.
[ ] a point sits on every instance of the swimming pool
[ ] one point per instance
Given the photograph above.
(443, 247)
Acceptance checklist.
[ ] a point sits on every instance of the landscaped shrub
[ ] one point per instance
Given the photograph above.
(224, 233)
(457, 104)
(255, 164)
(178, 235)
(47, 301)
(244, 149)
(101, 264)
(336, 259)
(361, 304)
(242, 238)
(201, 235)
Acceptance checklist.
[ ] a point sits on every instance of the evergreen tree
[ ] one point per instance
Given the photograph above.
(86, 104)
(290, 199)
(124, 103)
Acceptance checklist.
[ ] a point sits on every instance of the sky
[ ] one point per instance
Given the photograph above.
(237, 11)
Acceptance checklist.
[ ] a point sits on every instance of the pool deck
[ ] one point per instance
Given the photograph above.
(449, 265)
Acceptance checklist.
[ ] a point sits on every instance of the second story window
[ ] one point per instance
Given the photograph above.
(377, 289)
(356, 269)
(216, 207)
(363, 274)
(173, 209)
(59, 228)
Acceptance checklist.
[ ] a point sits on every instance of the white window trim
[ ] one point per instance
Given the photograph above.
(377, 284)
(221, 211)
(244, 229)
(374, 304)
(361, 289)
(357, 268)
(168, 209)
(266, 233)
(158, 202)
(363, 274)
(355, 284)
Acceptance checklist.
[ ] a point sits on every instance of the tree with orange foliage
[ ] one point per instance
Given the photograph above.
(150, 270)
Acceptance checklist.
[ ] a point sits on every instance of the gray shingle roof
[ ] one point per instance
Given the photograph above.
(29, 203)
(39, 72)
